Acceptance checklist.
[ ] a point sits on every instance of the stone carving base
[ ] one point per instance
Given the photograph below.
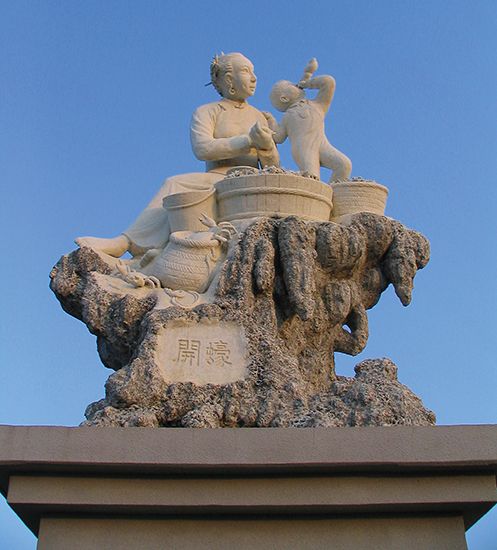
(258, 348)
(374, 397)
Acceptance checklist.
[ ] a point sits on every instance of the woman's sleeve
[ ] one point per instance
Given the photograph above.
(205, 146)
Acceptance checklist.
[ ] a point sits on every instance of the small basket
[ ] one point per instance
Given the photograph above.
(353, 197)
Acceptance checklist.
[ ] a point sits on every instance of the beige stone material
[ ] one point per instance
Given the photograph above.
(206, 353)
(342, 495)
(225, 133)
(184, 210)
(442, 533)
(188, 262)
(292, 287)
(356, 196)
(242, 264)
(154, 452)
(303, 124)
(388, 488)
(273, 194)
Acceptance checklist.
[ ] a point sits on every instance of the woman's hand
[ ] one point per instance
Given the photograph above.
(261, 137)
(271, 121)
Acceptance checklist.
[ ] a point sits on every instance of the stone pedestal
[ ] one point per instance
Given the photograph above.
(134, 488)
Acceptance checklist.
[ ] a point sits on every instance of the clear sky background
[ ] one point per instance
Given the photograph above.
(95, 103)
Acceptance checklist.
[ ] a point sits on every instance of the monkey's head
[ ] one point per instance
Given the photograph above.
(284, 94)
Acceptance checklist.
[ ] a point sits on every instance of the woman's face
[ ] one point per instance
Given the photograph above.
(243, 79)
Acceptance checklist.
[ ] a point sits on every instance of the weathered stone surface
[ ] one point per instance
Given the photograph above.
(297, 291)
(113, 317)
(374, 397)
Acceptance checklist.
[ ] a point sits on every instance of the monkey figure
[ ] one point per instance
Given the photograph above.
(303, 123)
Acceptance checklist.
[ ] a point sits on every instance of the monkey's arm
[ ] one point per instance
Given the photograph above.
(326, 86)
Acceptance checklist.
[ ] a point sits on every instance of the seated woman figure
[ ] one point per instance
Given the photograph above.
(225, 133)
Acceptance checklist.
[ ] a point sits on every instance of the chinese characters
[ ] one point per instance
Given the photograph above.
(191, 353)
(188, 351)
(218, 354)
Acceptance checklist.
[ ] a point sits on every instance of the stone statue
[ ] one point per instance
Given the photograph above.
(246, 280)
(225, 133)
(303, 123)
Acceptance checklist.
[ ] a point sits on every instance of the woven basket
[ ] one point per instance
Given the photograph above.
(187, 262)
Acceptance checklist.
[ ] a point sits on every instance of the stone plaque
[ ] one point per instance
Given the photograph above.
(203, 353)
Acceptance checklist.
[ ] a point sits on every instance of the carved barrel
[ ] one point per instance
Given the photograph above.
(185, 209)
(253, 196)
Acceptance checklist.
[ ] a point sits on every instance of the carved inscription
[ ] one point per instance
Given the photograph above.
(215, 353)
(188, 351)
(203, 353)
(218, 353)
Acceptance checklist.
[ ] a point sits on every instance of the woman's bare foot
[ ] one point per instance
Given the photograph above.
(115, 246)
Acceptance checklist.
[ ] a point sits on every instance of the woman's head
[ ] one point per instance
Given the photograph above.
(232, 75)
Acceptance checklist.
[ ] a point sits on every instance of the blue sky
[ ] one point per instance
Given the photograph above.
(95, 102)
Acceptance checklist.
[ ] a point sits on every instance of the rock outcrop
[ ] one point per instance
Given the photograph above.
(294, 292)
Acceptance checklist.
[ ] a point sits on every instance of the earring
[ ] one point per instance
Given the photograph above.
(232, 91)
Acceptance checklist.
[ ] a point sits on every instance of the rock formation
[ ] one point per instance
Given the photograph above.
(258, 350)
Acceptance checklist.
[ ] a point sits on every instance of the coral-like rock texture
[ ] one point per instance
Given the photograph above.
(298, 291)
